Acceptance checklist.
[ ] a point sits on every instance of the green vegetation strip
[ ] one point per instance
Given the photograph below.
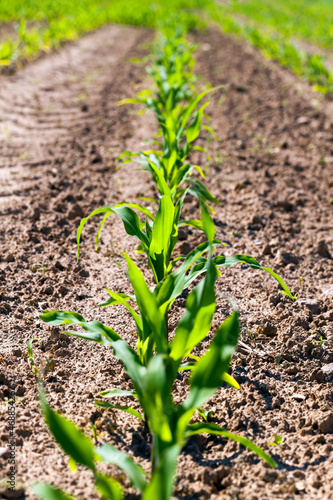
(43, 26)
(272, 27)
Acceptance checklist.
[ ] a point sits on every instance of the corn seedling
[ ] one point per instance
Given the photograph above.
(179, 117)
(169, 424)
(34, 368)
(278, 440)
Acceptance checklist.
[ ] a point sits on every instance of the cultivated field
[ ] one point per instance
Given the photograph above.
(253, 170)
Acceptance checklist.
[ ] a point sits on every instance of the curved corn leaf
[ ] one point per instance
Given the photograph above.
(95, 328)
(121, 298)
(94, 337)
(111, 455)
(47, 492)
(197, 224)
(71, 440)
(126, 409)
(214, 429)
(202, 193)
(254, 264)
(108, 487)
(148, 305)
(116, 298)
(142, 209)
(195, 323)
(112, 393)
(129, 217)
(230, 380)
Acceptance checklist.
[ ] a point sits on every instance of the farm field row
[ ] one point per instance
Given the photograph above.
(272, 180)
(281, 30)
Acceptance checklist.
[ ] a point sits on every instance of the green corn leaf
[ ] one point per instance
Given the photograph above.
(131, 100)
(121, 298)
(285, 290)
(73, 442)
(130, 220)
(116, 298)
(197, 252)
(98, 234)
(171, 288)
(31, 354)
(193, 131)
(162, 185)
(225, 376)
(207, 374)
(69, 318)
(254, 264)
(147, 198)
(126, 409)
(161, 235)
(222, 261)
(218, 431)
(195, 323)
(161, 484)
(132, 365)
(147, 304)
(186, 114)
(142, 209)
(94, 337)
(108, 487)
(230, 380)
(207, 224)
(157, 401)
(179, 176)
(201, 192)
(176, 282)
(186, 366)
(133, 471)
(47, 492)
(57, 318)
(113, 393)
(149, 232)
(195, 272)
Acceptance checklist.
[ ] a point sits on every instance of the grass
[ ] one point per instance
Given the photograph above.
(272, 27)
(43, 26)
(275, 28)
(310, 20)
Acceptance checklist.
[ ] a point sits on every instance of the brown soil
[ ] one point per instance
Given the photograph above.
(272, 172)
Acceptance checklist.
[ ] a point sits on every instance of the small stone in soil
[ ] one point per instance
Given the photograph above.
(327, 368)
(298, 397)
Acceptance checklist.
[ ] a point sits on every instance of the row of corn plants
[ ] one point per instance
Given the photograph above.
(154, 364)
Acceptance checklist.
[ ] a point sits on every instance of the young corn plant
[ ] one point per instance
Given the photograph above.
(169, 424)
(176, 107)
(158, 236)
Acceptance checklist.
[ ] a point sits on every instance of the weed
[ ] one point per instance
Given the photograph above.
(278, 440)
(33, 367)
